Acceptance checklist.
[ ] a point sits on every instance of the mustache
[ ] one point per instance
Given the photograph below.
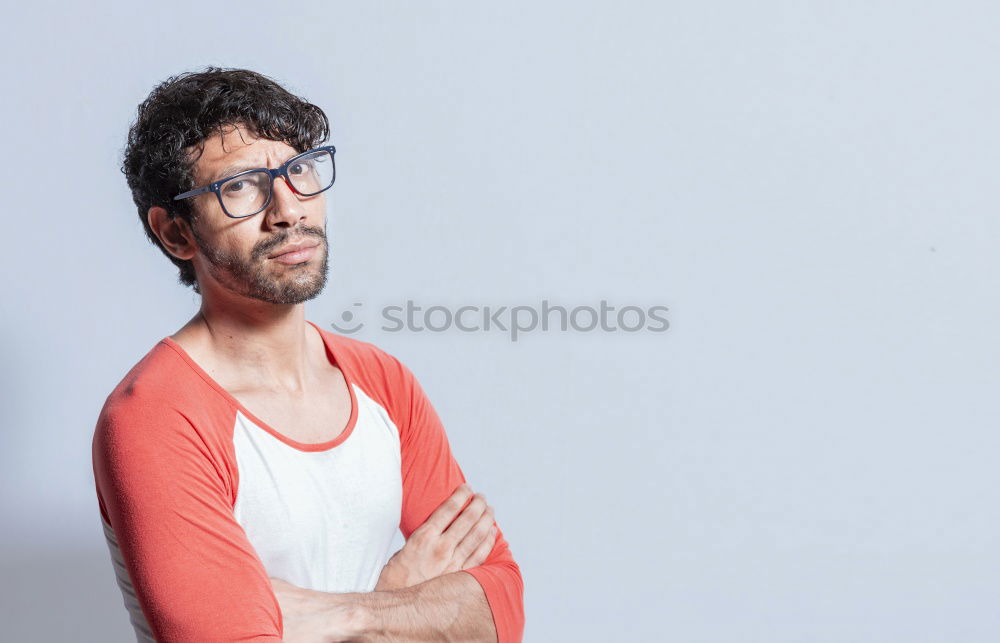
(282, 238)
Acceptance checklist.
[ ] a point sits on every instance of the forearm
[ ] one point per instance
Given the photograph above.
(451, 607)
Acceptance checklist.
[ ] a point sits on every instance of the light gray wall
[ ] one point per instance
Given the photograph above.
(808, 454)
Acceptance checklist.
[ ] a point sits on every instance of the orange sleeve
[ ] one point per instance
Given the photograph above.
(430, 475)
(167, 491)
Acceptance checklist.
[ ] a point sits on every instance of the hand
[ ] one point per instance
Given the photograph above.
(440, 546)
(309, 616)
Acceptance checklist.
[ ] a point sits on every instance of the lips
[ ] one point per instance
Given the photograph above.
(294, 247)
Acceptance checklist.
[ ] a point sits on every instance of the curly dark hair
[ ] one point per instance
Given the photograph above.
(186, 109)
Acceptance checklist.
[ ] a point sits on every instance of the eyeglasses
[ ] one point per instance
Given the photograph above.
(249, 192)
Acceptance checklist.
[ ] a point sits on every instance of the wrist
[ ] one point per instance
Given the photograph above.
(350, 617)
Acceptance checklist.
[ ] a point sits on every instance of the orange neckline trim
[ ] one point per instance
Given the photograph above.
(301, 446)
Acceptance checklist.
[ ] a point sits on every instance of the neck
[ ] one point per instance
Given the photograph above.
(270, 346)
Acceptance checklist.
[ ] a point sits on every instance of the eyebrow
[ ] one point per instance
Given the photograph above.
(231, 170)
(240, 167)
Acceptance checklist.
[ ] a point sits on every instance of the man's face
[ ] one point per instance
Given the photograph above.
(240, 254)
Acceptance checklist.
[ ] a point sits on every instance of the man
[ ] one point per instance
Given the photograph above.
(253, 468)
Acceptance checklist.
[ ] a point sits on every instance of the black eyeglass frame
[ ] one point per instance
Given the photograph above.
(215, 186)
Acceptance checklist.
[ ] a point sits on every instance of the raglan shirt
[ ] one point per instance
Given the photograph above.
(201, 502)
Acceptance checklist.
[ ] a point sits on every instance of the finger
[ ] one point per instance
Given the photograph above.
(482, 552)
(441, 517)
(475, 535)
(466, 520)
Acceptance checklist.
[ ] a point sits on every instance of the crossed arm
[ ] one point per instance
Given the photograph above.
(451, 607)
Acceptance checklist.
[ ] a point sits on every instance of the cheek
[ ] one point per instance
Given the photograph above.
(236, 245)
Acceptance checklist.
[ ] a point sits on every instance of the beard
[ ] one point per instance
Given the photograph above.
(250, 276)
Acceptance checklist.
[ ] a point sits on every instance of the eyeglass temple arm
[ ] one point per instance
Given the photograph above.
(191, 193)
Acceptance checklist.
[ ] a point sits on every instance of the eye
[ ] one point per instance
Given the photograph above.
(243, 184)
(300, 167)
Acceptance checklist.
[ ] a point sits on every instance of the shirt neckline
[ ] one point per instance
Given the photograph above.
(301, 446)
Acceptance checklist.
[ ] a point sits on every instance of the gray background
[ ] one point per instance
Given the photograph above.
(808, 454)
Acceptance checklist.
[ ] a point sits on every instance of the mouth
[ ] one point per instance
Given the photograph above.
(296, 253)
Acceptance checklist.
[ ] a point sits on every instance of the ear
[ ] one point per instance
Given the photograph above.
(173, 232)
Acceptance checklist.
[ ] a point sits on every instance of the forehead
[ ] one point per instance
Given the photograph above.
(235, 147)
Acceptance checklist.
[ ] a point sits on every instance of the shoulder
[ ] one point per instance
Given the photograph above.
(148, 384)
(365, 358)
(380, 374)
(158, 397)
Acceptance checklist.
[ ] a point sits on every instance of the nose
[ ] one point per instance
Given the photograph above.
(285, 207)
